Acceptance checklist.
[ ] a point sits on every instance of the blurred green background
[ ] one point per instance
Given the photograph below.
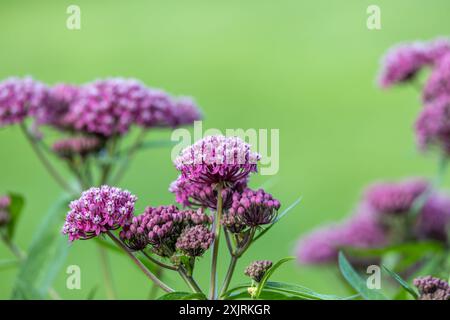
(307, 68)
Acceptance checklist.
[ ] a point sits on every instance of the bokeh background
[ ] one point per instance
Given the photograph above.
(307, 68)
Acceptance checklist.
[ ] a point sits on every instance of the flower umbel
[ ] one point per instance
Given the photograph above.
(217, 160)
(431, 288)
(257, 269)
(252, 209)
(194, 241)
(98, 210)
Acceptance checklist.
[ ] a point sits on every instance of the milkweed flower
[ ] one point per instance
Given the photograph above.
(97, 211)
(437, 49)
(257, 269)
(194, 241)
(402, 63)
(77, 146)
(161, 226)
(19, 98)
(107, 107)
(395, 198)
(431, 288)
(433, 221)
(432, 127)
(184, 111)
(55, 112)
(252, 208)
(438, 84)
(362, 230)
(217, 160)
(192, 194)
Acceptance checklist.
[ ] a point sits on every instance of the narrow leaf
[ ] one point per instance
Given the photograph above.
(182, 296)
(281, 215)
(402, 282)
(46, 256)
(269, 273)
(355, 280)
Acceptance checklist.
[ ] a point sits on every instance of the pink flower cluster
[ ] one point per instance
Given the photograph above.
(431, 288)
(161, 227)
(257, 269)
(402, 63)
(104, 107)
(71, 147)
(251, 209)
(194, 241)
(20, 97)
(371, 226)
(395, 198)
(217, 160)
(97, 211)
(191, 194)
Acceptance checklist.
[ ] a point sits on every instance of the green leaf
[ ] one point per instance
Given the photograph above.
(281, 215)
(269, 273)
(355, 280)
(15, 209)
(178, 295)
(299, 291)
(402, 282)
(264, 295)
(46, 256)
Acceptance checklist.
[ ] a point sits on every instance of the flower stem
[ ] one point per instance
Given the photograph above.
(107, 275)
(157, 262)
(215, 252)
(229, 274)
(141, 266)
(189, 280)
(48, 166)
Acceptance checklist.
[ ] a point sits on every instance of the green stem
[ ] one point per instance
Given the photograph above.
(215, 251)
(189, 280)
(157, 262)
(141, 266)
(229, 274)
(48, 166)
(107, 275)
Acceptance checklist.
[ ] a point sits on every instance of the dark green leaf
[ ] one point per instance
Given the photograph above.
(92, 293)
(182, 296)
(355, 280)
(402, 282)
(15, 209)
(299, 291)
(264, 295)
(46, 256)
(269, 273)
(281, 215)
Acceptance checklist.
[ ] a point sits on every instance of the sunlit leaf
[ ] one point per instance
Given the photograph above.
(46, 256)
